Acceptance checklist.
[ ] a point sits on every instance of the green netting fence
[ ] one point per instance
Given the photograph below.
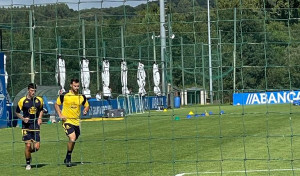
(254, 48)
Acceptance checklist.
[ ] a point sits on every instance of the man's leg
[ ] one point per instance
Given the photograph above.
(28, 154)
(35, 142)
(35, 147)
(70, 147)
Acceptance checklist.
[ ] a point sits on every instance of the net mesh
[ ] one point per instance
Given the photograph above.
(254, 48)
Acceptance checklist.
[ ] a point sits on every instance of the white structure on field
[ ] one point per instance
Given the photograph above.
(60, 74)
(6, 75)
(85, 77)
(124, 71)
(141, 79)
(156, 79)
(105, 78)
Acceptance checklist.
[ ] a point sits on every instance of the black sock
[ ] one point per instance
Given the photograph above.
(28, 161)
(68, 156)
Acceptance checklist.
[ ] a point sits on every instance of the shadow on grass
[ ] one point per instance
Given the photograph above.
(77, 163)
(35, 165)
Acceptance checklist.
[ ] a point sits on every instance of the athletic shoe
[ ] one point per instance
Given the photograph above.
(28, 167)
(68, 163)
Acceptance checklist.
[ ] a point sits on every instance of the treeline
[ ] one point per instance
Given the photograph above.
(267, 43)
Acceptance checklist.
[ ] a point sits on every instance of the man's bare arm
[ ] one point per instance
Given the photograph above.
(58, 111)
(25, 119)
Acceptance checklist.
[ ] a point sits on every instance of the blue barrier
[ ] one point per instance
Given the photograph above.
(296, 102)
(11, 120)
(176, 102)
(3, 113)
(155, 101)
(97, 107)
(46, 105)
(281, 97)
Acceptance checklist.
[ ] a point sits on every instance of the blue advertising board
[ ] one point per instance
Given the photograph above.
(97, 107)
(280, 97)
(3, 114)
(155, 101)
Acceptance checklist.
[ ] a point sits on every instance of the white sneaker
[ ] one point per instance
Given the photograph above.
(28, 167)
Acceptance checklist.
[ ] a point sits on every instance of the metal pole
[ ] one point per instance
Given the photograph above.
(221, 66)
(203, 65)
(59, 53)
(163, 43)
(59, 44)
(154, 46)
(182, 70)
(97, 51)
(32, 75)
(140, 53)
(209, 54)
(122, 42)
(83, 39)
(40, 57)
(234, 51)
(171, 61)
(104, 50)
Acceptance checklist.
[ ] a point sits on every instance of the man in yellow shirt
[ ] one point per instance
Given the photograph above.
(71, 102)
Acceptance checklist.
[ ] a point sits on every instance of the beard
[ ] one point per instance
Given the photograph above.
(75, 90)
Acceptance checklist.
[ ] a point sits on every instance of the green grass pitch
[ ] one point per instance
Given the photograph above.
(246, 140)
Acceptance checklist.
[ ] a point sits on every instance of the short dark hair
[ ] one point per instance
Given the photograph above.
(74, 80)
(32, 86)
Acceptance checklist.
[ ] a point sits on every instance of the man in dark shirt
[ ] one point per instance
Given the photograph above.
(32, 108)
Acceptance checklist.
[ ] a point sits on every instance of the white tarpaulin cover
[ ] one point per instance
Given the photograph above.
(60, 74)
(156, 79)
(85, 77)
(105, 78)
(141, 79)
(124, 71)
(6, 75)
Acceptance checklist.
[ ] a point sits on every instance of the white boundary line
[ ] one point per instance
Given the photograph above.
(228, 172)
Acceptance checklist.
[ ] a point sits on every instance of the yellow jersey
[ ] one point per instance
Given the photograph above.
(72, 106)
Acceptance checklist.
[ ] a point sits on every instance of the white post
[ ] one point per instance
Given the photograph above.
(209, 54)
(163, 43)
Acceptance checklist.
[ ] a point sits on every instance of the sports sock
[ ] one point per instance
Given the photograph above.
(68, 156)
(28, 161)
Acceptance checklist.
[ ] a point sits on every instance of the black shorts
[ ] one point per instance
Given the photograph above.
(69, 128)
(31, 135)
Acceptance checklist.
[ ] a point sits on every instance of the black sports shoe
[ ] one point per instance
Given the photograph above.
(68, 163)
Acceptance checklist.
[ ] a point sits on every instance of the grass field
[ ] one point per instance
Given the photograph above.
(246, 140)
